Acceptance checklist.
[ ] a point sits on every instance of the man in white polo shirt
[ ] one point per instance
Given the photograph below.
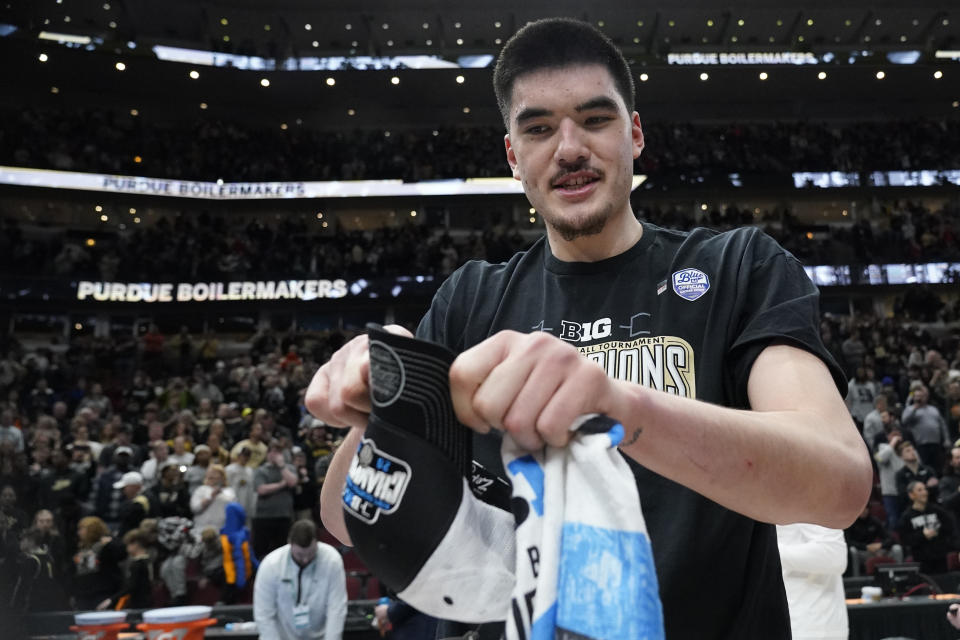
(301, 589)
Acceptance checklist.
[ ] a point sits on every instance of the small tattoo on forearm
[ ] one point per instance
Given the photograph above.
(633, 437)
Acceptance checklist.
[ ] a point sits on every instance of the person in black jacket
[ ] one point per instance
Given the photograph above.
(97, 570)
(136, 592)
(868, 538)
(927, 529)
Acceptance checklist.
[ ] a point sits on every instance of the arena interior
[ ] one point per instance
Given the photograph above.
(202, 201)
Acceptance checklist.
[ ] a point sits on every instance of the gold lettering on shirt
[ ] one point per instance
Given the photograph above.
(665, 363)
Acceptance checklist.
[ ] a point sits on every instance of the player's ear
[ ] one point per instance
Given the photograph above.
(636, 133)
(511, 157)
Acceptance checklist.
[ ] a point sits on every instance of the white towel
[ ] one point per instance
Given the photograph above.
(584, 566)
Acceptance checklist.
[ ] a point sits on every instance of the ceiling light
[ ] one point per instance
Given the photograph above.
(224, 21)
(226, 38)
(810, 22)
(348, 26)
(385, 25)
(351, 112)
(98, 208)
(496, 25)
(429, 42)
(532, 211)
(104, 218)
(308, 26)
(283, 126)
(459, 40)
(955, 104)
(740, 22)
(763, 75)
(264, 82)
(704, 76)
(331, 82)
(194, 74)
(315, 44)
(136, 220)
(639, 23)
(945, 22)
(709, 23)
(132, 211)
(881, 75)
(644, 77)
(266, 27)
(394, 80)
(203, 105)
(426, 25)
(672, 23)
(938, 74)
(54, 90)
(112, 24)
(878, 22)
(847, 23)
(134, 112)
(413, 214)
(120, 66)
(137, 159)
(466, 109)
(106, 6)
(822, 75)
(43, 57)
(460, 79)
(497, 41)
(456, 25)
(66, 18)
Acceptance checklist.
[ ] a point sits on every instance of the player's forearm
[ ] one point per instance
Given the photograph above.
(779, 467)
(331, 511)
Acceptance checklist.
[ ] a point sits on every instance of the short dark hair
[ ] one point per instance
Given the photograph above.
(913, 485)
(136, 536)
(303, 533)
(558, 42)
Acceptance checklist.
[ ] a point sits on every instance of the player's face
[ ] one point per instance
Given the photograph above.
(572, 144)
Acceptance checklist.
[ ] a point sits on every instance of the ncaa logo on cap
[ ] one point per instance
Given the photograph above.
(690, 284)
(375, 483)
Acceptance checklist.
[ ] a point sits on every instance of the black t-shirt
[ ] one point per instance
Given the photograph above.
(686, 313)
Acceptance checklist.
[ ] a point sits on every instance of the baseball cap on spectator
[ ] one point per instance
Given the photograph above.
(169, 463)
(128, 479)
(201, 447)
(123, 449)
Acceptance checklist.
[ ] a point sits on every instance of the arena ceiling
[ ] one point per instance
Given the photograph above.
(126, 32)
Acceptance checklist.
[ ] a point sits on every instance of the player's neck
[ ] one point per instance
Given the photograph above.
(619, 234)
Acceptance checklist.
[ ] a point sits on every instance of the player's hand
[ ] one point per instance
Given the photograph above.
(339, 393)
(533, 386)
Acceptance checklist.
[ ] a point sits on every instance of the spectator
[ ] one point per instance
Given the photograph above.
(861, 393)
(306, 493)
(320, 603)
(209, 551)
(952, 407)
(181, 456)
(50, 540)
(926, 424)
(136, 505)
(273, 482)
(912, 470)
(240, 479)
(927, 530)
(239, 561)
(196, 473)
(107, 494)
(39, 585)
(889, 464)
(159, 454)
(170, 497)
(10, 432)
(258, 448)
(208, 501)
(874, 427)
(868, 538)
(136, 592)
(950, 478)
(97, 564)
(175, 543)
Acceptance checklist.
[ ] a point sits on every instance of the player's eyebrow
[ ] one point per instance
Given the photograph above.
(600, 102)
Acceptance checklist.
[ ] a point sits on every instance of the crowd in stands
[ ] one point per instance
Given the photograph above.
(204, 247)
(904, 394)
(145, 479)
(104, 141)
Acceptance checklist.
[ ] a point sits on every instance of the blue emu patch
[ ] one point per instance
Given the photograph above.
(690, 284)
(375, 483)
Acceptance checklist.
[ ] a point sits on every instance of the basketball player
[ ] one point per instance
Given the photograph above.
(704, 345)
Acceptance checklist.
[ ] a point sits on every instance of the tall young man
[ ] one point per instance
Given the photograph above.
(704, 346)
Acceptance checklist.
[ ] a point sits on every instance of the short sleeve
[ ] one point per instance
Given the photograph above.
(782, 306)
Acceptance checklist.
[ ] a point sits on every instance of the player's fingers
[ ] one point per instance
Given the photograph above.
(580, 393)
(470, 370)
